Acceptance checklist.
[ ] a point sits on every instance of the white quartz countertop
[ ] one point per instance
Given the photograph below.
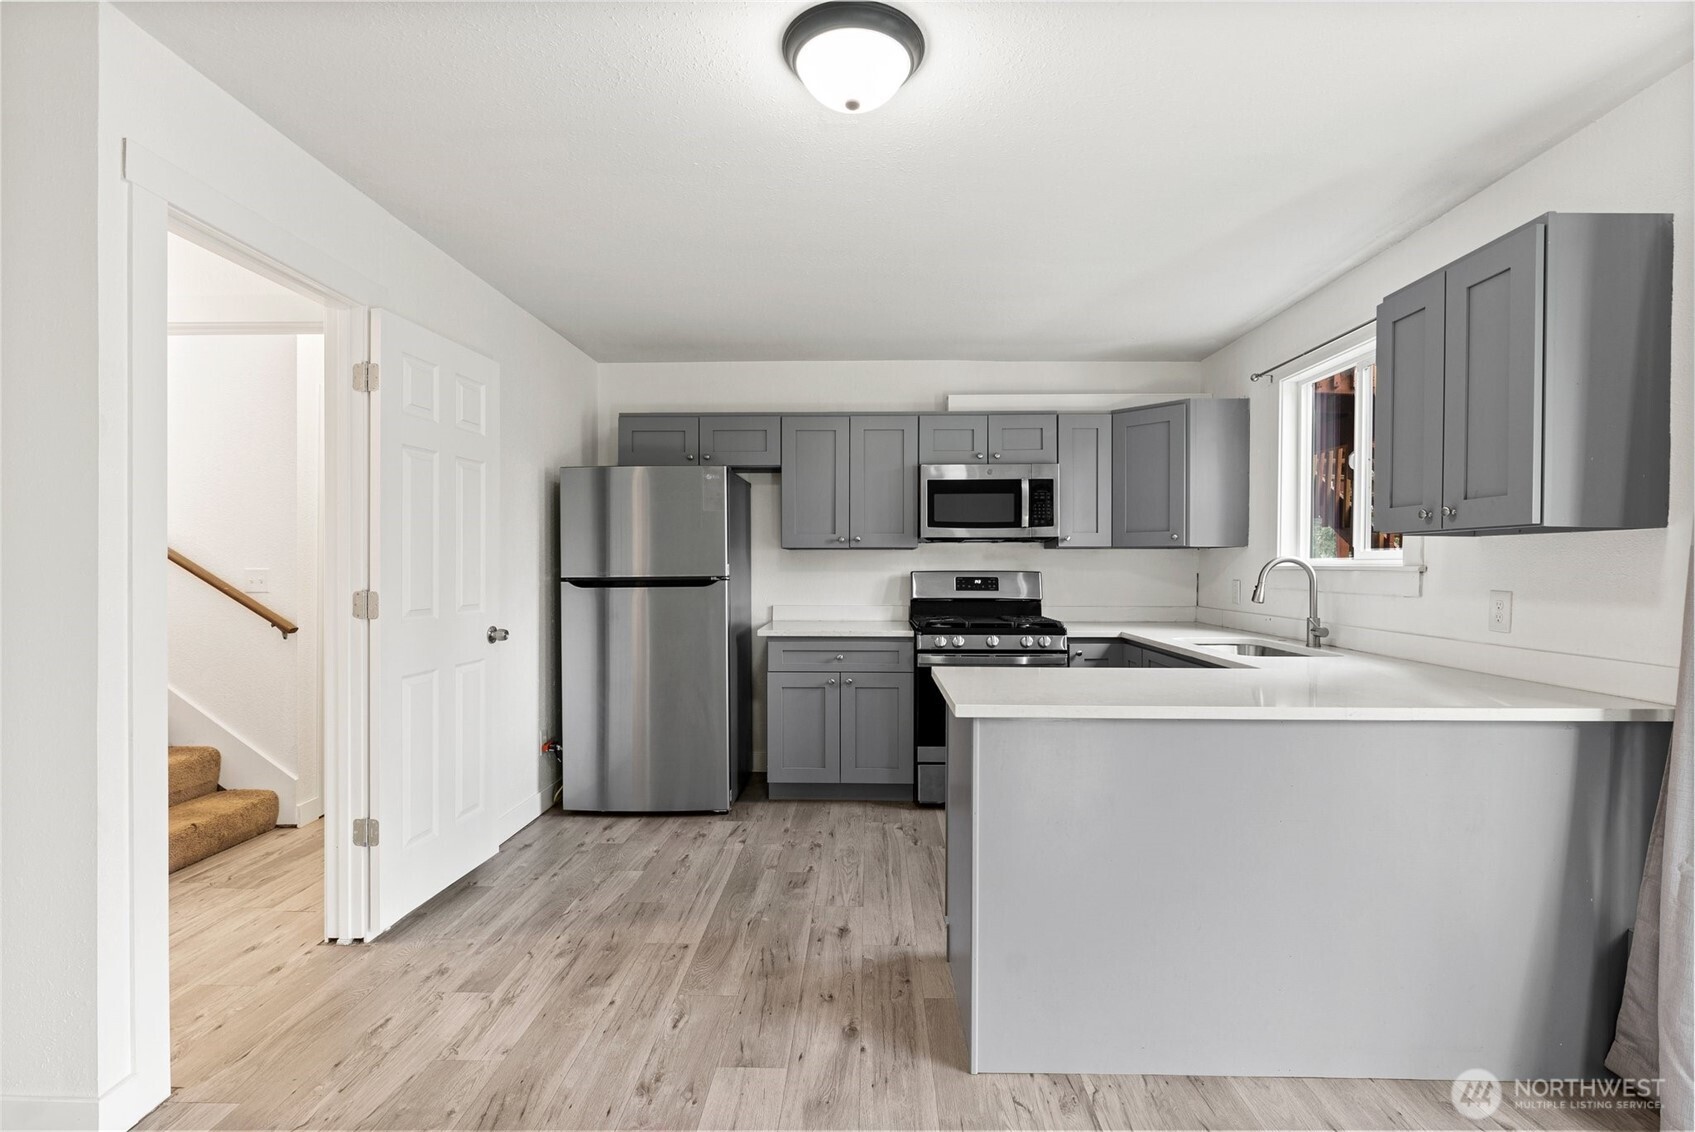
(1325, 684)
(869, 628)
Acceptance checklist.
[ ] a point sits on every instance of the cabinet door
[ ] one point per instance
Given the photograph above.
(1492, 385)
(815, 482)
(742, 442)
(646, 439)
(1407, 409)
(803, 727)
(1024, 438)
(877, 727)
(1149, 475)
(1085, 480)
(883, 498)
(953, 438)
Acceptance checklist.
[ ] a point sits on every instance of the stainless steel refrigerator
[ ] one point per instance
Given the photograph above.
(656, 640)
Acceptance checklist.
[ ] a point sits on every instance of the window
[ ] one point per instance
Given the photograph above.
(1326, 463)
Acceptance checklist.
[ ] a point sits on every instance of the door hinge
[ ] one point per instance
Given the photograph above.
(365, 832)
(365, 605)
(366, 377)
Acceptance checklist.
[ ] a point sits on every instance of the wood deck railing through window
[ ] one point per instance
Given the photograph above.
(277, 620)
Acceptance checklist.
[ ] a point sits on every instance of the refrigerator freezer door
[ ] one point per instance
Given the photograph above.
(645, 672)
(643, 523)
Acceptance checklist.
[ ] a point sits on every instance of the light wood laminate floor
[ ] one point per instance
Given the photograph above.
(778, 967)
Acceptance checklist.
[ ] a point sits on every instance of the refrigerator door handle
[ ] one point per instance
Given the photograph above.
(641, 583)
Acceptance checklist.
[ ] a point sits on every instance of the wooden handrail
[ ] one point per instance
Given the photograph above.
(277, 620)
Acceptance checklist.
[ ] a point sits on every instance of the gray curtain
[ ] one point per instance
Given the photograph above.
(1654, 1030)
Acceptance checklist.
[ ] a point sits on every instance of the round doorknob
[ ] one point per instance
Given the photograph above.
(497, 634)
(992, 642)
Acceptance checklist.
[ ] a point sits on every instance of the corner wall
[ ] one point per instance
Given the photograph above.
(1594, 610)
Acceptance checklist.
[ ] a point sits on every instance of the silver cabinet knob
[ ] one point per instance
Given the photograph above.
(858, 538)
(1450, 512)
(841, 538)
(991, 641)
(1077, 652)
(1173, 536)
(1025, 642)
(997, 455)
(958, 642)
(838, 656)
(1424, 513)
(848, 680)
(979, 455)
(1044, 641)
(497, 634)
(1067, 538)
(708, 456)
(688, 455)
(831, 681)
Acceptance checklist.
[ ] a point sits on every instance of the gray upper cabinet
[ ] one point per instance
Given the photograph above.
(803, 726)
(1180, 474)
(876, 720)
(1023, 438)
(653, 439)
(953, 438)
(1085, 480)
(1407, 463)
(1551, 383)
(742, 442)
(883, 474)
(815, 483)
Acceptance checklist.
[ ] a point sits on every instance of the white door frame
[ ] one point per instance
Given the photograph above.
(164, 198)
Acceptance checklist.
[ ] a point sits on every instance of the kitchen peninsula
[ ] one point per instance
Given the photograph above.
(1241, 870)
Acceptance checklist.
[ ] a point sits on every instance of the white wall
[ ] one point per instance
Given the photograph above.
(1596, 610)
(1151, 584)
(235, 506)
(84, 1036)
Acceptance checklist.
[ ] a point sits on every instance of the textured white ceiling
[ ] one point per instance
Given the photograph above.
(1058, 181)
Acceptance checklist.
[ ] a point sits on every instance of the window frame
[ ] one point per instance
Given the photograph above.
(1294, 471)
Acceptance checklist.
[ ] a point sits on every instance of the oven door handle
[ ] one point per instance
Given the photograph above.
(1010, 660)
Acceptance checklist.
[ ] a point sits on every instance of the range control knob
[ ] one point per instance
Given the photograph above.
(1044, 641)
(1026, 642)
(958, 641)
(992, 642)
(940, 642)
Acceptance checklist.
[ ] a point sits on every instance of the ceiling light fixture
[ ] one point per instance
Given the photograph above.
(853, 54)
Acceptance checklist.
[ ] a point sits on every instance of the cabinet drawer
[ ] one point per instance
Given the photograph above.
(1095, 654)
(855, 654)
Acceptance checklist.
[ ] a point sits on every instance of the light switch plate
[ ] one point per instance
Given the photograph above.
(256, 580)
(1500, 611)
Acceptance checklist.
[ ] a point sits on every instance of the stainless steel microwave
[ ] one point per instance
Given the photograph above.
(994, 503)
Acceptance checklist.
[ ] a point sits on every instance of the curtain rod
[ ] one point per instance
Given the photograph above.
(1269, 370)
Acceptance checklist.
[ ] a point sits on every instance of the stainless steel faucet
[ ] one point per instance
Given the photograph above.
(1316, 632)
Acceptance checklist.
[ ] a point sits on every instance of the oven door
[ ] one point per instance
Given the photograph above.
(930, 711)
(963, 501)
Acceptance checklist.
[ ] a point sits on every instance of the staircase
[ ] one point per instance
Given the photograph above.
(205, 818)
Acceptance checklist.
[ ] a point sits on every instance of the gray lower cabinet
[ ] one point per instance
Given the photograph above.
(1023, 438)
(836, 730)
(815, 482)
(653, 439)
(1085, 480)
(1180, 474)
(883, 482)
(803, 727)
(1526, 386)
(953, 438)
(1096, 653)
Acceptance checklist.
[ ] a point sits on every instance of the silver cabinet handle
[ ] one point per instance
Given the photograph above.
(1450, 512)
(688, 455)
(848, 680)
(1424, 513)
(497, 634)
(839, 656)
(831, 681)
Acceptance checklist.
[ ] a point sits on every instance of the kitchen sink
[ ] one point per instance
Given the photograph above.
(1256, 648)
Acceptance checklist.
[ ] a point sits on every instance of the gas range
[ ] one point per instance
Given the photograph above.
(989, 614)
(987, 619)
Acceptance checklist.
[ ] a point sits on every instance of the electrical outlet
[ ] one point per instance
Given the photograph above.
(1500, 611)
(1235, 591)
(256, 580)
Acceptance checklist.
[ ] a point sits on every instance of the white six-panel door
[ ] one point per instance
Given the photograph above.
(435, 566)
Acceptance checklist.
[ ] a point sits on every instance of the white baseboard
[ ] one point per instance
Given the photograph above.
(122, 1106)
(309, 811)
(245, 767)
(525, 812)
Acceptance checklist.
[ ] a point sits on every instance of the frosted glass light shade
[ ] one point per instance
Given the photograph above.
(853, 70)
(852, 55)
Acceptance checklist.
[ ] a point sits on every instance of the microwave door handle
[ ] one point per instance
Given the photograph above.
(1024, 502)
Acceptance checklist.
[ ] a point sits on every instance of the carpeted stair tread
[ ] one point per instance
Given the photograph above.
(193, 772)
(214, 822)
